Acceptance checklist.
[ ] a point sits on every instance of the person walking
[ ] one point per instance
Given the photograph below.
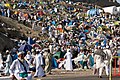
(38, 65)
(107, 59)
(20, 68)
(8, 12)
(48, 61)
(29, 57)
(1, 63)
(68, 63)
(8, 62)
(99, 61)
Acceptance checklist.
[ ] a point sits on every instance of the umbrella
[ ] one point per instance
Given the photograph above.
(25, 47)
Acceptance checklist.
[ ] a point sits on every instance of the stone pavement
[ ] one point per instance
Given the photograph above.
(75, 75)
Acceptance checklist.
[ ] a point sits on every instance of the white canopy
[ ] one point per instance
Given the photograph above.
(118, 8)
(111, 10)
(118, 1)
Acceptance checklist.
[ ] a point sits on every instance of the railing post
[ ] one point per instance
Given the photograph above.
(119, 66)
(110, 73)
(115, 67)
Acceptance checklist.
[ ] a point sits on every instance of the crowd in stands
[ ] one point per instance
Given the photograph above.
(73, 37)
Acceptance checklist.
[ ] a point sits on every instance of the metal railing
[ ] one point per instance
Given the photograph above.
(116, 70)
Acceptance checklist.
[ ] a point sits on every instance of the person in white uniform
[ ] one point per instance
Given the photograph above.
(38, 65)
(29, 57)
(68, 63)
(99, 64)
(98, 61)
(8, 62)
(108, 57)
(20, 68)
(1, 62)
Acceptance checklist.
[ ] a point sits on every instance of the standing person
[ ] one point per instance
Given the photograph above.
(85, 60)
(8, 62)
(48, 61)
(8, 12)
(38, 65)
(2, 11)
(68, 56)
(51, 48)
(108, 57)
(99, 61)
(20, 68)
(1, 62)
(29, 57)
(98, 64)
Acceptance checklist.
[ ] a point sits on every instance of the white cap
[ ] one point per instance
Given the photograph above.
(37, 50)
(118, 46)
(34, 38)
(23, 41)
(68, 50)
(107, 46)
(32, 50)
(28, 52)
(20, 53)
(98, 46)
(7, 51)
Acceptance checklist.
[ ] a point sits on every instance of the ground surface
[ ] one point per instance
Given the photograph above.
(75, 75)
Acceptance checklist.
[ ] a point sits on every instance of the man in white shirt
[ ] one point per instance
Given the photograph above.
(99, 62)
(8, 62)
(108, 57)
(68, 63)
(38, 62)
(29, 57)
(20, 68)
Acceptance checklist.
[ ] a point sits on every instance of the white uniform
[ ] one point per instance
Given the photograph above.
(107, 60)
(68, 63)
(16, 68)
(38, 62)
(8, 12)
(29, 58)
(42, 62)
(1, 61)
(8, 63)
(51, 48)
(99, 63)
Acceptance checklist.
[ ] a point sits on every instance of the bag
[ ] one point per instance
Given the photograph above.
(24, 74)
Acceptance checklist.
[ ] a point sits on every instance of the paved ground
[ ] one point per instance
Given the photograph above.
(75, 75)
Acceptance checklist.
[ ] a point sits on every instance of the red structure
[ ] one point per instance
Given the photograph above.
(116, 71)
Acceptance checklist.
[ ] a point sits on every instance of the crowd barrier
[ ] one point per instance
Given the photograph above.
(114, 67)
